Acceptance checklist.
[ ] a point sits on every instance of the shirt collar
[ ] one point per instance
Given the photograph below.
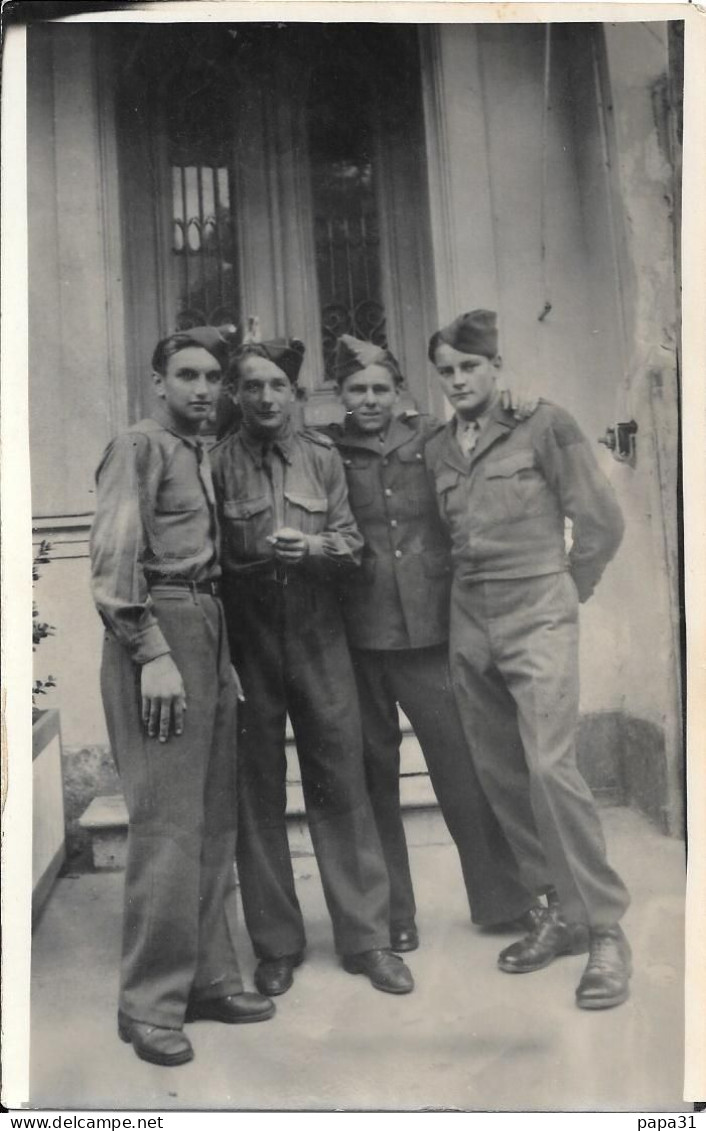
(256, 445)
(195, 442)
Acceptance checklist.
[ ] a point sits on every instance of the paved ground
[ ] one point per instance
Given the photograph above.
(469, 1037)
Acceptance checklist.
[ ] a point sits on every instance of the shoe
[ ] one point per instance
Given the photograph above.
(167, 1047)
(275, 976)
(386, 971)
(549, 938)
(404, 938)
(235, 1009)
(605, 980)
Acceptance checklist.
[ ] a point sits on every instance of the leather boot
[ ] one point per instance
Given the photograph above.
(606, 979)
(549, 938)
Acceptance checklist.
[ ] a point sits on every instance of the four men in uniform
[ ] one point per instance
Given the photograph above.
(502, 762)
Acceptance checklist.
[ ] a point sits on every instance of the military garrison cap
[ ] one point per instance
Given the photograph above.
(286, 354)
(211, 338)
(473, 332)
(353, 354)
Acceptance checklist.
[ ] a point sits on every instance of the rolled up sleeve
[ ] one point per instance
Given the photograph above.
(126, 491)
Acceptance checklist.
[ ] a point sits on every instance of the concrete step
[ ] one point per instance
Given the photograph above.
(105, 819)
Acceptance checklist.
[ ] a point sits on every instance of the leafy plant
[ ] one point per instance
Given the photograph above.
(40, 628)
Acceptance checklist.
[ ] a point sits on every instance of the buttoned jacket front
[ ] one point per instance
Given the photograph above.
(400, 597)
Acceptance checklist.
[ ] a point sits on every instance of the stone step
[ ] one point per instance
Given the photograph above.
(105, 819)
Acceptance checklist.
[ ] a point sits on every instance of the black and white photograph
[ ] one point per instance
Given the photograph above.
(354, 370)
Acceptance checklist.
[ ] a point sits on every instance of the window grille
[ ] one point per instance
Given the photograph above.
(346, 221)
(203, 240)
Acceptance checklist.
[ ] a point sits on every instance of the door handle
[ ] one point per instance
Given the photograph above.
(619, 439)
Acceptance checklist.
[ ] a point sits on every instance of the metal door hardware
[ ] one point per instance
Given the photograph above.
(620, 440)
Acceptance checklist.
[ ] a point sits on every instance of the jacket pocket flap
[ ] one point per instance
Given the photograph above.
(245, 508)
(510, 465)
(311, 503)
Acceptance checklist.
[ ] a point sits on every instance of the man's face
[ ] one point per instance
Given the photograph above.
(265, 395)
(369, 397)
(189, 387)
(468, 380)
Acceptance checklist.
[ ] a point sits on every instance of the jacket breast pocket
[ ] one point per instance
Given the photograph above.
(306, 512)
(516, 486)
(246, 524)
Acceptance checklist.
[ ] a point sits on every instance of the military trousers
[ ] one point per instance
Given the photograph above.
(289, 645)
(181, 802)
(514, 663)
(418, 679)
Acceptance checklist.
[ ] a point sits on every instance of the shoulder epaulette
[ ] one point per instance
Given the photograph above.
(317, 437)
(410, 414)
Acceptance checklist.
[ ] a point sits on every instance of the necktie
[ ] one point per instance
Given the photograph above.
(468, 438)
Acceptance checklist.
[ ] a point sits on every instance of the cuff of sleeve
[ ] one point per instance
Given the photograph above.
(585, 583)
(316, 545)
(149, 645)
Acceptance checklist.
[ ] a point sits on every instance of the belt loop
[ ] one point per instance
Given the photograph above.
(194, 592)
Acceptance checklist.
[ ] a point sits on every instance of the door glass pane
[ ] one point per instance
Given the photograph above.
(346, 223)
(203, 246)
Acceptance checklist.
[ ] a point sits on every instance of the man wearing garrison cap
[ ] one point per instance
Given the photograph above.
(504, 489)
(155, 570)
(396, 609)
(289, 537)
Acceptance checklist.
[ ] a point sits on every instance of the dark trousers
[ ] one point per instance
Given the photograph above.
(419, 681)
(289, 646)
(181, 799)
(514, 662)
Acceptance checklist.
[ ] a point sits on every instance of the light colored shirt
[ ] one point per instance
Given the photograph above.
(155, 521)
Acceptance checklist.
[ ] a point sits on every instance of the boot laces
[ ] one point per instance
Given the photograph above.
(604, 949)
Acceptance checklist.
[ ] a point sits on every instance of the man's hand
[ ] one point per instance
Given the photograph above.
(162, 693)
(291, 546)
(521, 402)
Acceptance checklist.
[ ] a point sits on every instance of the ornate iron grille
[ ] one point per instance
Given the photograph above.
(346, 224)
(204, 252)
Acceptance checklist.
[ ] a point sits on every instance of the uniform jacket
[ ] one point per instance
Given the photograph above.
(400, 598)
(301, 484)
(155, 521)
(506, 504)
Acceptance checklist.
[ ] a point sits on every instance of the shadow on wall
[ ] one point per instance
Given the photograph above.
(623, 760)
